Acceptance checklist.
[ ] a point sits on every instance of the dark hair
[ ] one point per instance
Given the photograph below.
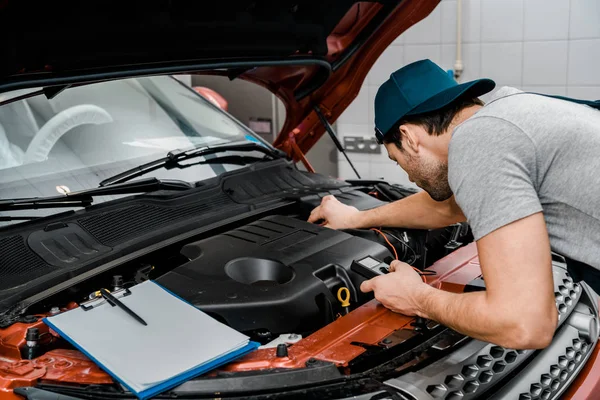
(435, 122)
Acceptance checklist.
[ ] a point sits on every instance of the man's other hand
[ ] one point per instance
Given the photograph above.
(399, 290)
(335, 215)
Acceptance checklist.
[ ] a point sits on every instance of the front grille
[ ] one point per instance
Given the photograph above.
(472, 370)
(549, 374)
(474, 378)
(465, 374)
(567, 292)
(559, 373)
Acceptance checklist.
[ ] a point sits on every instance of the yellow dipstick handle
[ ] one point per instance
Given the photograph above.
(343, 295)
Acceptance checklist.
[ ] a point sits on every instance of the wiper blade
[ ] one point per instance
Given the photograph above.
(232, 160)
(173, 158)
(84, 198)
(7, 218)
(34, 203)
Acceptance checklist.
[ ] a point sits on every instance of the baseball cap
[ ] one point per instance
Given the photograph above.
(418, 88)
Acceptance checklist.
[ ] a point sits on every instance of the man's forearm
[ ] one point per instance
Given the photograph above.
(473, 315)
(418, 211)
(467, 313)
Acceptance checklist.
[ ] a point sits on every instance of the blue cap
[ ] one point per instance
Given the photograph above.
(419, 88)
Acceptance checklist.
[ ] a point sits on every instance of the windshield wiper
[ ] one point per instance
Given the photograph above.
(173, 158)
(84, 198)
(5, 218)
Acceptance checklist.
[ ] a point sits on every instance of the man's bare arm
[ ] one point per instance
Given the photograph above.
(418, 211)
(517, 310)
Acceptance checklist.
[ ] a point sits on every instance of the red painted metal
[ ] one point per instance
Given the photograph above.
(57, 365)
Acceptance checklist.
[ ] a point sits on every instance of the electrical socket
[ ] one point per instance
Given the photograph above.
(360, 144)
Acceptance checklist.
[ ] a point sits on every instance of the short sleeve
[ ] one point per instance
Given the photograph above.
(492, 172)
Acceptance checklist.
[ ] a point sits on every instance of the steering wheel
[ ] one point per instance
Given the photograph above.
(61, 123)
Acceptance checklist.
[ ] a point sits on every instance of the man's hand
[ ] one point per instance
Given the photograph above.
(399, 290)
(335, 214)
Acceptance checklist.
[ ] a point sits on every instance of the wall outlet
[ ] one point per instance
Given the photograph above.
(361, 144)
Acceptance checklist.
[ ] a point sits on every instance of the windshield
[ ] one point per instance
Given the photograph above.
(89, 133)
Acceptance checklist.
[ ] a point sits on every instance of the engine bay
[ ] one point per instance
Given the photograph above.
(277, 275)
(277, 278)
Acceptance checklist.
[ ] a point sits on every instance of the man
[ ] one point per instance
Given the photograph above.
(522, 170)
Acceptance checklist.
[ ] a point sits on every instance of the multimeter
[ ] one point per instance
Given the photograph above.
(370, 267)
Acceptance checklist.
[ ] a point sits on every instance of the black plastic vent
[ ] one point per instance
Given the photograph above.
(114, 227)
(65, 245)
(18, 264)
(249, 187)
(270, 230)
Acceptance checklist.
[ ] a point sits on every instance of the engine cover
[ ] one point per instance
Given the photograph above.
(277, 274)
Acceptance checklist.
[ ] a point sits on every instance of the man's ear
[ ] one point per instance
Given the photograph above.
(410, 138)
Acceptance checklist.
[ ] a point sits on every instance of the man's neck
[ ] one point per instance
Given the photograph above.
(458, 119)
(463, 115)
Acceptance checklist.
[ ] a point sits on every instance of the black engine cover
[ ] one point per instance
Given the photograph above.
(279, 274)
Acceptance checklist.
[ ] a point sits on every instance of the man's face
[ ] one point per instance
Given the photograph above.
(424, 169)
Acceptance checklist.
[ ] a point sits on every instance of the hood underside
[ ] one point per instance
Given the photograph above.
(308, 53)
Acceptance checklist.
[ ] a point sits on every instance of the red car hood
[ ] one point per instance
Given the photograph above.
(309, 53)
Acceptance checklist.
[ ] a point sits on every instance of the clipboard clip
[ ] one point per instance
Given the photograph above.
(115, 302)
(86, 307)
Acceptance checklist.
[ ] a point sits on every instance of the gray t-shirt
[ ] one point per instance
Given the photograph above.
(521, 154)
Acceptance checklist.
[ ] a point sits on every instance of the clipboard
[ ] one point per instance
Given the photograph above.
(179, 342)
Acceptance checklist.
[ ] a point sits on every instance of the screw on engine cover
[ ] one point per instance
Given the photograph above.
(293, 336)
(386, 341)
(311, 361)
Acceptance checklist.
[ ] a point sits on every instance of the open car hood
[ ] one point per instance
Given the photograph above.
(308, 53)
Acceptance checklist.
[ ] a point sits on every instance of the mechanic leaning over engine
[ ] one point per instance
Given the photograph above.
(521, 169)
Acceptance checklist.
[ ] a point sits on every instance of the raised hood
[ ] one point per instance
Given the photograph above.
(309, 53)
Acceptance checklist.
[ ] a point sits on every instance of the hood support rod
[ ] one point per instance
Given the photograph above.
(333, 136)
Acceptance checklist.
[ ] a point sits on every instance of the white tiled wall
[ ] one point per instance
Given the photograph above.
(548, 46)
